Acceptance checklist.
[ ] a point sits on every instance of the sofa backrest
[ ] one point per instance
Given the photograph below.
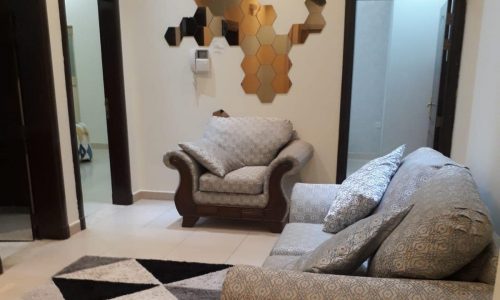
(415, 170)
(254, 140)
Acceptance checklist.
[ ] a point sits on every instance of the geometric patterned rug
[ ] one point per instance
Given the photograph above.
(94, 277)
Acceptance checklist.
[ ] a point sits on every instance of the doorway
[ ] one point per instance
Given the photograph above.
(94, 83)
(15, 202)
(397, 77)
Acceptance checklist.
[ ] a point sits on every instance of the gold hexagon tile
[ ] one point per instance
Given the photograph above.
(250, 64)
(250, 45)
(267, 15)
(250, 7)
(266, 54)
(266, 35)
(250, 84)
(249, 24)
(282, 64)
(281, 84)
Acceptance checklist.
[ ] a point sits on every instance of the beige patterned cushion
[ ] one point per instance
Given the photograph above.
(212, 157)
(446, 229)
(415, 170)
(280, 262)
(299, 238)
(246, 180)
(253, 140)
(482, 268)
(346, 251)
(361, 192)
(249, 283)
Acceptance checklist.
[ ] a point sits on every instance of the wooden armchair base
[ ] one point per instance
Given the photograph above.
(274, 215)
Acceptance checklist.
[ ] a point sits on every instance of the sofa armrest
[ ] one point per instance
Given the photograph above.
(187, 166)
(297, 152)
(311, 202)
(245, 282)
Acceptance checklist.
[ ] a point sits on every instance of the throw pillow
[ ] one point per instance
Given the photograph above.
(254, 140)
(215, 159)
(361, 192)
(447, 228)
(346, 251)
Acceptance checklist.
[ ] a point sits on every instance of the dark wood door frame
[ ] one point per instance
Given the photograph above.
(448, 85)
(50, 220)
(114, 89)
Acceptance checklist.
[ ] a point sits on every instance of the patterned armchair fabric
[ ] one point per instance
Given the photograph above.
(245, 282)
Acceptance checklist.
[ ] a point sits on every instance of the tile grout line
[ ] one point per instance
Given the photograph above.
(237, 247)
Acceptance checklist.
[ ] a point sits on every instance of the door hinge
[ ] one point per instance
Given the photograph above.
(447, 45)
(449, 19)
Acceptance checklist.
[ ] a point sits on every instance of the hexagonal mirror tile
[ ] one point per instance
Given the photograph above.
(266, 54)
(250, 45)
(266, 35)
(267, 15)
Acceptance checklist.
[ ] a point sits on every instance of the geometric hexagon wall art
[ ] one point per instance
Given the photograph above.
(249, 25)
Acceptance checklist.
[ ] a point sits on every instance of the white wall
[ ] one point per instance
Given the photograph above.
(410, 73)
(166, 105)
(83, 16)
(62, 110)
(373, 29)
(476, 140)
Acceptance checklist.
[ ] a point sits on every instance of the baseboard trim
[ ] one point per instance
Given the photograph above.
(74, 228)
(153, 195)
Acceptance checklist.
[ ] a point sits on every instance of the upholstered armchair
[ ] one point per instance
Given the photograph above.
(258, 189)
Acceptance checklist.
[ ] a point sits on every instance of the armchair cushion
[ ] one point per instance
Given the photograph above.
(246, 180)
(212, 157)
(254, 140)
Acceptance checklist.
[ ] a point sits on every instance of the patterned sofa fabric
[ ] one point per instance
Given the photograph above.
(483, 268)
(447, 228)
(346, 251)
(361, 192)
(280, 262)
(299, 238)
(254, 140)
(246, 180)
(195, 168)
(231, 199)
(311, 202)
(415, 170)
(246, 282)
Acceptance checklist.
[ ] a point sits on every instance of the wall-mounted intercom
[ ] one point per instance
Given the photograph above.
(200, 61)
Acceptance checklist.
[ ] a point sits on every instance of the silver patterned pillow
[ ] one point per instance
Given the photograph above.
(361, 192)
(346, 251)
(215, 159)
(254, 140)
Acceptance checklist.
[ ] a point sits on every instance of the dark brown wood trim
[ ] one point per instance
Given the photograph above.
(71, 112)
(346, 93)
(275, 215)
(39, 106)
(450, 78)
(114, 90)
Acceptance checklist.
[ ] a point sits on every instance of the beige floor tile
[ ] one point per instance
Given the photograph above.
(210, 247)
(253, 250)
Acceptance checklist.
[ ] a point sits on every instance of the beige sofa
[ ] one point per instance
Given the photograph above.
(310, 204)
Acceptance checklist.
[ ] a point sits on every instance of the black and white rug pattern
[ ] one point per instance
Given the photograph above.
(93, 277)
